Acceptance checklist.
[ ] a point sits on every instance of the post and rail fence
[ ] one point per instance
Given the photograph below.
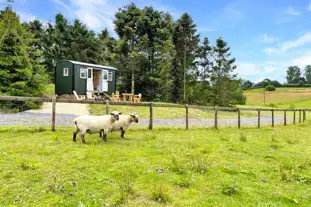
(54, 100)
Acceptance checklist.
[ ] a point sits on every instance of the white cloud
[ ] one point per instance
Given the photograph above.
(245, 69)
(309, 7)
(26, 17)
(255, 71)
(303, 60)
(269, 50)
(290, 44)
(291, 11)
(252, 69)
(268, 39)
(269, 69)
(98, 14)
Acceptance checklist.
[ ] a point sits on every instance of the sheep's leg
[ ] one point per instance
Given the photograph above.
(105, 136)
(122, 132)
(74, 137)
(100, 134)
(82, 134)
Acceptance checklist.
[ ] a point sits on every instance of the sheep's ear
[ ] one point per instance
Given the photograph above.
(132, 115)
(120, 113)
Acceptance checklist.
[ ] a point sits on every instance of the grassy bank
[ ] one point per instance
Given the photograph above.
(171, 167)
(282, 97)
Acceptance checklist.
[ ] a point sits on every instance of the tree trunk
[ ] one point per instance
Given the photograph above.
(185, 73)
(133, 81)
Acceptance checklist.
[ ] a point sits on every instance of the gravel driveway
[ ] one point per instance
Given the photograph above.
(44, 119)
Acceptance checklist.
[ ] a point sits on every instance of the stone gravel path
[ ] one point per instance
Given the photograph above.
(44, 119)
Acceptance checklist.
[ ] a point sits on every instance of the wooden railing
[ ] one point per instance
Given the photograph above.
(54, 100)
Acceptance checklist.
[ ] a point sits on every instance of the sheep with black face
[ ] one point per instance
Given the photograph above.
(123, 123)
(95, 124)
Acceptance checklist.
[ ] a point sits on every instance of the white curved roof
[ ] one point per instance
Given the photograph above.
(91, 65)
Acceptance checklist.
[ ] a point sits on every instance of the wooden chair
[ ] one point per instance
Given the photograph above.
(78, 97)
(137, 98)
(115, 97)
(91, 96)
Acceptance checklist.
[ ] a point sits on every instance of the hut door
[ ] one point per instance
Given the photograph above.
(89, 82)
(105, 80)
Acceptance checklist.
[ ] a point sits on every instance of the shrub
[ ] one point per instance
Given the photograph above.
(270, 88)
(159, 193)
(230, 188)
(243, 137)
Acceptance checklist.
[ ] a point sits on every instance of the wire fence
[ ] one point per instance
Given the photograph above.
(61, 112)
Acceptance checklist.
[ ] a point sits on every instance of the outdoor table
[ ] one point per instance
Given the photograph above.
(130, 95)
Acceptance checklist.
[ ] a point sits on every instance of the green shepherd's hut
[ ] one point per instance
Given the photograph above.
(84, 77)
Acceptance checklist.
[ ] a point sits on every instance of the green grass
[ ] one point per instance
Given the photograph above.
(164, 167)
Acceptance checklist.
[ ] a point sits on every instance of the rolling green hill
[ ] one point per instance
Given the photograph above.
(282, 97)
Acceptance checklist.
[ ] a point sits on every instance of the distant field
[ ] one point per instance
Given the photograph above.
(282, 97)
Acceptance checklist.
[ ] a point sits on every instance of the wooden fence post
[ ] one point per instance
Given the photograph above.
(216, 118)
(299, 116)
(304, 115)
(53, 113)
(294, 117)
(272, 113)
(239, 118)
(258, 110)
(107, 107)
(187, 124)
(150, 117)
(285, 118)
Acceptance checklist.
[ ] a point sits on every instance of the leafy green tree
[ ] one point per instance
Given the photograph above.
(293, 74)
(308, 74)
(21, 73)
(246, 84)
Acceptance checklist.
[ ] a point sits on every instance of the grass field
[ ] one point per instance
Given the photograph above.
(282, 97)
(164, 167)
(165, 112)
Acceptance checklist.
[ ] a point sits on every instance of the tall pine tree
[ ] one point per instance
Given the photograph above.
(226, 89)
(21, 73)
(186, 42)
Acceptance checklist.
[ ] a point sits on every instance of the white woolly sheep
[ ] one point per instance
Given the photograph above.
(123, 123)
(95, 124)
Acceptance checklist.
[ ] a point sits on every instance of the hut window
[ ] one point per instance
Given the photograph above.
(83, 73)
(65, 72)
(109, 76)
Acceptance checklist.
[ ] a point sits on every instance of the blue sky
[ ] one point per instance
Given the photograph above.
(265, 36)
